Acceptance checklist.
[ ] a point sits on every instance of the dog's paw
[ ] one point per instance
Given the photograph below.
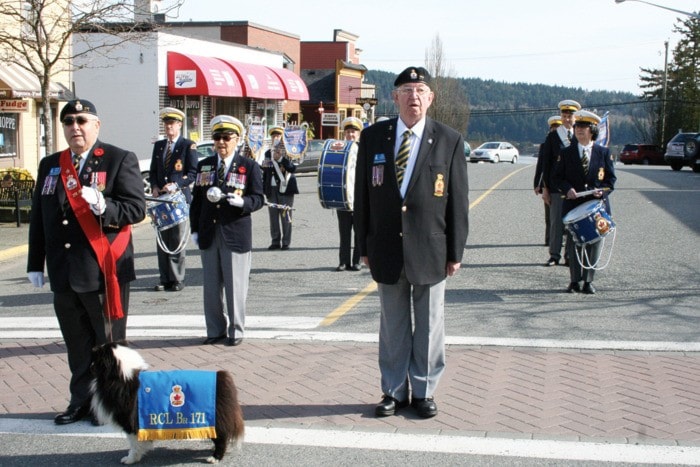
(130, 459)
(212, 460)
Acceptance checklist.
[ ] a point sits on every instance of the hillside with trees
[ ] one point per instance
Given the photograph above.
(518, 112)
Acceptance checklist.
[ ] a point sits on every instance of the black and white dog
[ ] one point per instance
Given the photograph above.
(116, 369)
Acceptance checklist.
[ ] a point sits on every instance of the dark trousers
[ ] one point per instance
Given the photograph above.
(172, 267)
(346, 235)
(83, 325)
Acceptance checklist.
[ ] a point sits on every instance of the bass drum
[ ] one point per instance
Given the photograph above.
(336, 174)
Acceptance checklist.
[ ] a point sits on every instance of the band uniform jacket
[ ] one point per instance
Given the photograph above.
(236, 223)
(182, 168)
(547, 157)
(568, 173)
(426, 229)
(55, 236)
(269, 173)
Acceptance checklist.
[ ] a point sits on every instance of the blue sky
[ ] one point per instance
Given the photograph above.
(594, 44)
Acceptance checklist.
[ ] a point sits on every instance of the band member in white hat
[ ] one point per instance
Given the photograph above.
(222, 227)
(352, 126)
(279, 186)
(584, 166)
(554, 122)
(173, 167)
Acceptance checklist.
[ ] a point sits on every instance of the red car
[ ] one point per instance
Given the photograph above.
(644, 154)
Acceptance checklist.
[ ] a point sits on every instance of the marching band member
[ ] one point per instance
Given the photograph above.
(352, 126)
(85, 201)
(584, 166)
(173, 167)
(222, 228)
(279, 186)
(554, 122)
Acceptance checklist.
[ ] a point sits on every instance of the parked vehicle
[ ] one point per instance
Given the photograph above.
(312, 156)
(675, 151)
(495, 152)
(691, 151)
(644, 154)
(467, 150)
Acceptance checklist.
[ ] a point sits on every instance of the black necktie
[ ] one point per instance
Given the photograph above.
(222, 172)
(402, 156)
(568, 135)
(76, 162)
(584, 161)
(168, 154)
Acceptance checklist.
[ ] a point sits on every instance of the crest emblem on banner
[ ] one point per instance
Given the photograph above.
(255, 136)
(295, 141)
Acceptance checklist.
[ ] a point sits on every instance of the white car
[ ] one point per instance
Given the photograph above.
(495, 151)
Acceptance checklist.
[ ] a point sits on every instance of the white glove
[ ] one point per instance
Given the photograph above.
(95, 199)
(235, 200)
(36, 278)
(195, 238)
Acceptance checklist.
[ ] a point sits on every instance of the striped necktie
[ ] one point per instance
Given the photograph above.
(222, 172)
(584, 161)
(168, 154)
(402, 156)
(76, 162)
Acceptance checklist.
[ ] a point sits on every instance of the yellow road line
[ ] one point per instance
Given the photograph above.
(350, 303)
(14, 251)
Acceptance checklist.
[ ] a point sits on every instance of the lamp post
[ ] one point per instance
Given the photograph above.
(694, 15)
(320, 126)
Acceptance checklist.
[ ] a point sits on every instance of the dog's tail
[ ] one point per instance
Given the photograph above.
(229, 416)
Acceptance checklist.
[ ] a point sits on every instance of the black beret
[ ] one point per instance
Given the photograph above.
(413, 74)
(78, 106)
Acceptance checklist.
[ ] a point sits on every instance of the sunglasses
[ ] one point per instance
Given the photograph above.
(69, 121)
(225, 137)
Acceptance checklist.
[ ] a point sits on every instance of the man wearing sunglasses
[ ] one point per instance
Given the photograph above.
(227, 189)
(173, 167)
(85, 201)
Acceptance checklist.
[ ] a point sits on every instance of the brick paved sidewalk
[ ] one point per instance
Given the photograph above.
(620, 397)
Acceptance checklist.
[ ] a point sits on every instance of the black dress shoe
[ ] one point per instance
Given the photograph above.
(176, 286)
(213, 340)
(341, 267)
(285, 247)
(159, 287)
(551, 262)
(231, 342)
(588, 288)
(573, 287)
(389, 406)
(355, 267)
(425, 408)
(72, 415)
(274, 246)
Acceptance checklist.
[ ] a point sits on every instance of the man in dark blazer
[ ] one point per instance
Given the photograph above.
(85, 201)
(554, 122)
(411, 216)
(173, 167)
(222, 227)
(582, 167)
(553, 144)
(279, 186)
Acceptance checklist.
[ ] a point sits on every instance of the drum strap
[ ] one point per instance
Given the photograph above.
(106, 253)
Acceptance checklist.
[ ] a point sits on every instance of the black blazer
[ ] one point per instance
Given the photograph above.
(182, 169)
(568, 173)
(236, 223)
(428, 228)
(549, 153)
(269, 172)
(55, 236)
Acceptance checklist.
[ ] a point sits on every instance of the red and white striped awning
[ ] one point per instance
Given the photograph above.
(16, 82)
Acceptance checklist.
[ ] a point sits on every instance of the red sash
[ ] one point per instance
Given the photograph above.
(106, 254)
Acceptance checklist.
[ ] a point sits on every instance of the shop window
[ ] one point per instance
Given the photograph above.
(8, 135)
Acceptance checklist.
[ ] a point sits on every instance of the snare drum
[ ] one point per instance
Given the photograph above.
(168, 214)
(336, 174)
(589, 222)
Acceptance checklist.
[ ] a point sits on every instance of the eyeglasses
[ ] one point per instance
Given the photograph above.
(69, 121)
(408, 91)
(225, 137)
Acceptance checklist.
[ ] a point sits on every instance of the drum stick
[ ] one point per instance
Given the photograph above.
(581, 194)
(158, 200)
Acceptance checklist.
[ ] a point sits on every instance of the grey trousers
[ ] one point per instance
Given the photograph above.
(576, 271)
(225, 275)
(556, 226)
(411, 342)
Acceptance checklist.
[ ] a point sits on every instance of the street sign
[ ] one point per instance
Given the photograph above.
(330, 119)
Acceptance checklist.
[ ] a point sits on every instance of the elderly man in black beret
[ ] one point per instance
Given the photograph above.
(85, 201)
(411, 218)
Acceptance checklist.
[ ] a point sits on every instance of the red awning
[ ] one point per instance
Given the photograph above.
(257, 80)
(294, 87)
(194, 75)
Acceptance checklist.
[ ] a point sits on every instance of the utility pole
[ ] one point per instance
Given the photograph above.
(663, 99)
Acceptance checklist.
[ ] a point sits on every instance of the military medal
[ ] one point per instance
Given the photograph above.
(439, 185)
(601, 174)
(71, 182)
(377, 175)
(178, 165)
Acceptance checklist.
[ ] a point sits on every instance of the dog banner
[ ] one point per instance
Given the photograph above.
(178, 404)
